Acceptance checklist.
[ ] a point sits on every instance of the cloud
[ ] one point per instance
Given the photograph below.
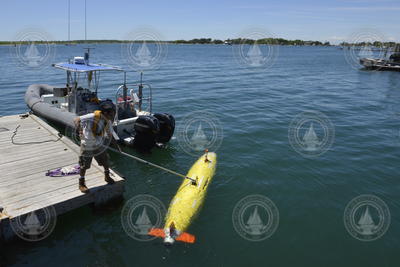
(336, 38)
(369, 8)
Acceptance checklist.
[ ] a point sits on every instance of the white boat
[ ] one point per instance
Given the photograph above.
(135, 123)
(392, 63)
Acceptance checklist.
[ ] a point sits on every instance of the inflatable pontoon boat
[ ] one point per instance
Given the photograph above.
(134, 125)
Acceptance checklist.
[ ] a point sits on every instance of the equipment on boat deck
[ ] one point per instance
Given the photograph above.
(187, 202)
(134, 121)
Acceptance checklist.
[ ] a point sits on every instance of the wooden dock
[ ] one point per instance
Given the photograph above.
(24, 186)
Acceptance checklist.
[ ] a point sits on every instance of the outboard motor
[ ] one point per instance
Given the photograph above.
(147, 128)
(167, 127)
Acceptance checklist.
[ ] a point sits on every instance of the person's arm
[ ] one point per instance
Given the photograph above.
(112, 133)
(78, 128)
(114, 137)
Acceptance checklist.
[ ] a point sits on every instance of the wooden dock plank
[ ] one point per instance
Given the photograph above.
(24, 187)
(29, 197)
(54, 197)
(38, 183)
(28, 125)
(24, 154)
(38, 161)
(41, 184)
(27, 170)
(27, 139)
(39, 156)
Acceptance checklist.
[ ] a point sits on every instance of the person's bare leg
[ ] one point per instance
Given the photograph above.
(82, 172)
(82, 185)
(107, 177)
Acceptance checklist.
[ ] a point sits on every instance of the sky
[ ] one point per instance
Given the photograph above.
(323, 20)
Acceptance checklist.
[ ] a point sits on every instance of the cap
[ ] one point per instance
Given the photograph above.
(107, 106)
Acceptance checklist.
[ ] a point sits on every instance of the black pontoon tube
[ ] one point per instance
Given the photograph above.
(45, 110)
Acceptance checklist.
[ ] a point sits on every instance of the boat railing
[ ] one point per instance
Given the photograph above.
(133, 97)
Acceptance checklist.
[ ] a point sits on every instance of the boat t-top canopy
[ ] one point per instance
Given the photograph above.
(91, 72)
(86, 67)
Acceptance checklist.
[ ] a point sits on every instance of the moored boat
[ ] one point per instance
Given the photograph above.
(135, 123)
(392, 63)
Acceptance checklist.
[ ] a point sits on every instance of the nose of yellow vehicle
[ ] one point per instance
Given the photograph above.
(168, 241)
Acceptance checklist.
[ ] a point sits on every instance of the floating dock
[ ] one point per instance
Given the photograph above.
(24, 186)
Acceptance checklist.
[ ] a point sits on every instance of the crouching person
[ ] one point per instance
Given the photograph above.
(96, 133)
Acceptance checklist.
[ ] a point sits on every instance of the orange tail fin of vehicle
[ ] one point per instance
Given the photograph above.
(157, 232)
(184, 237)
(187, 238)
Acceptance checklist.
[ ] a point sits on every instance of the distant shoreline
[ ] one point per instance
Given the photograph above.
(270, 41)
(267, 41)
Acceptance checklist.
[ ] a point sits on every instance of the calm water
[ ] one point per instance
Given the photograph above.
(255, 107)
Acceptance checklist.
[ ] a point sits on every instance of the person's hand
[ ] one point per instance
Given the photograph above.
(77, 122)
(117, 143)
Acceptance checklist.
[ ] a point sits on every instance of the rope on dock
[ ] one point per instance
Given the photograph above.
(31, 143)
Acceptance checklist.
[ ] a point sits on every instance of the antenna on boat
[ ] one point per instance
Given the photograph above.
(90, 73)
(140, 93)
(87, 54)
(125, 92)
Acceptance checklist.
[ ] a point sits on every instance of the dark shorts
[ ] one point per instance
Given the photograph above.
(86, 156)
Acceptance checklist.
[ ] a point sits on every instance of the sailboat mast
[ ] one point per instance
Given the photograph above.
(69, 21)
(85, 24)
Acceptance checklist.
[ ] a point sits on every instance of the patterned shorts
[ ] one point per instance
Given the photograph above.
(86, 156)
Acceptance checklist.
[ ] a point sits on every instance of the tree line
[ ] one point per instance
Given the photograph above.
(375, 44)
(269, 41)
